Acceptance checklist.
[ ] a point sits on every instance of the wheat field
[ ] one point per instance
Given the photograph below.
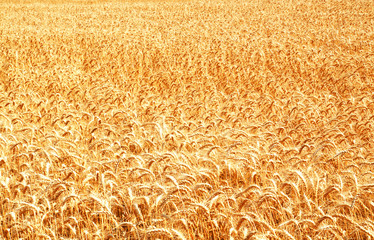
(187, 119)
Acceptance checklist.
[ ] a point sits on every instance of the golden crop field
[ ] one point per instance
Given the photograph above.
(243, 119)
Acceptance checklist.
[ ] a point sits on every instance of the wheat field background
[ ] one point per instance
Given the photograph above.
(187, 119)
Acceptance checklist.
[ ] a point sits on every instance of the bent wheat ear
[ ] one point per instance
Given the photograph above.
(159, 232)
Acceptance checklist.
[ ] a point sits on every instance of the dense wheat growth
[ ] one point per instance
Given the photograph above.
(187, 119)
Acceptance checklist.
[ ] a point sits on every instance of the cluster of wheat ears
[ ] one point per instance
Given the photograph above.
(187, 120)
